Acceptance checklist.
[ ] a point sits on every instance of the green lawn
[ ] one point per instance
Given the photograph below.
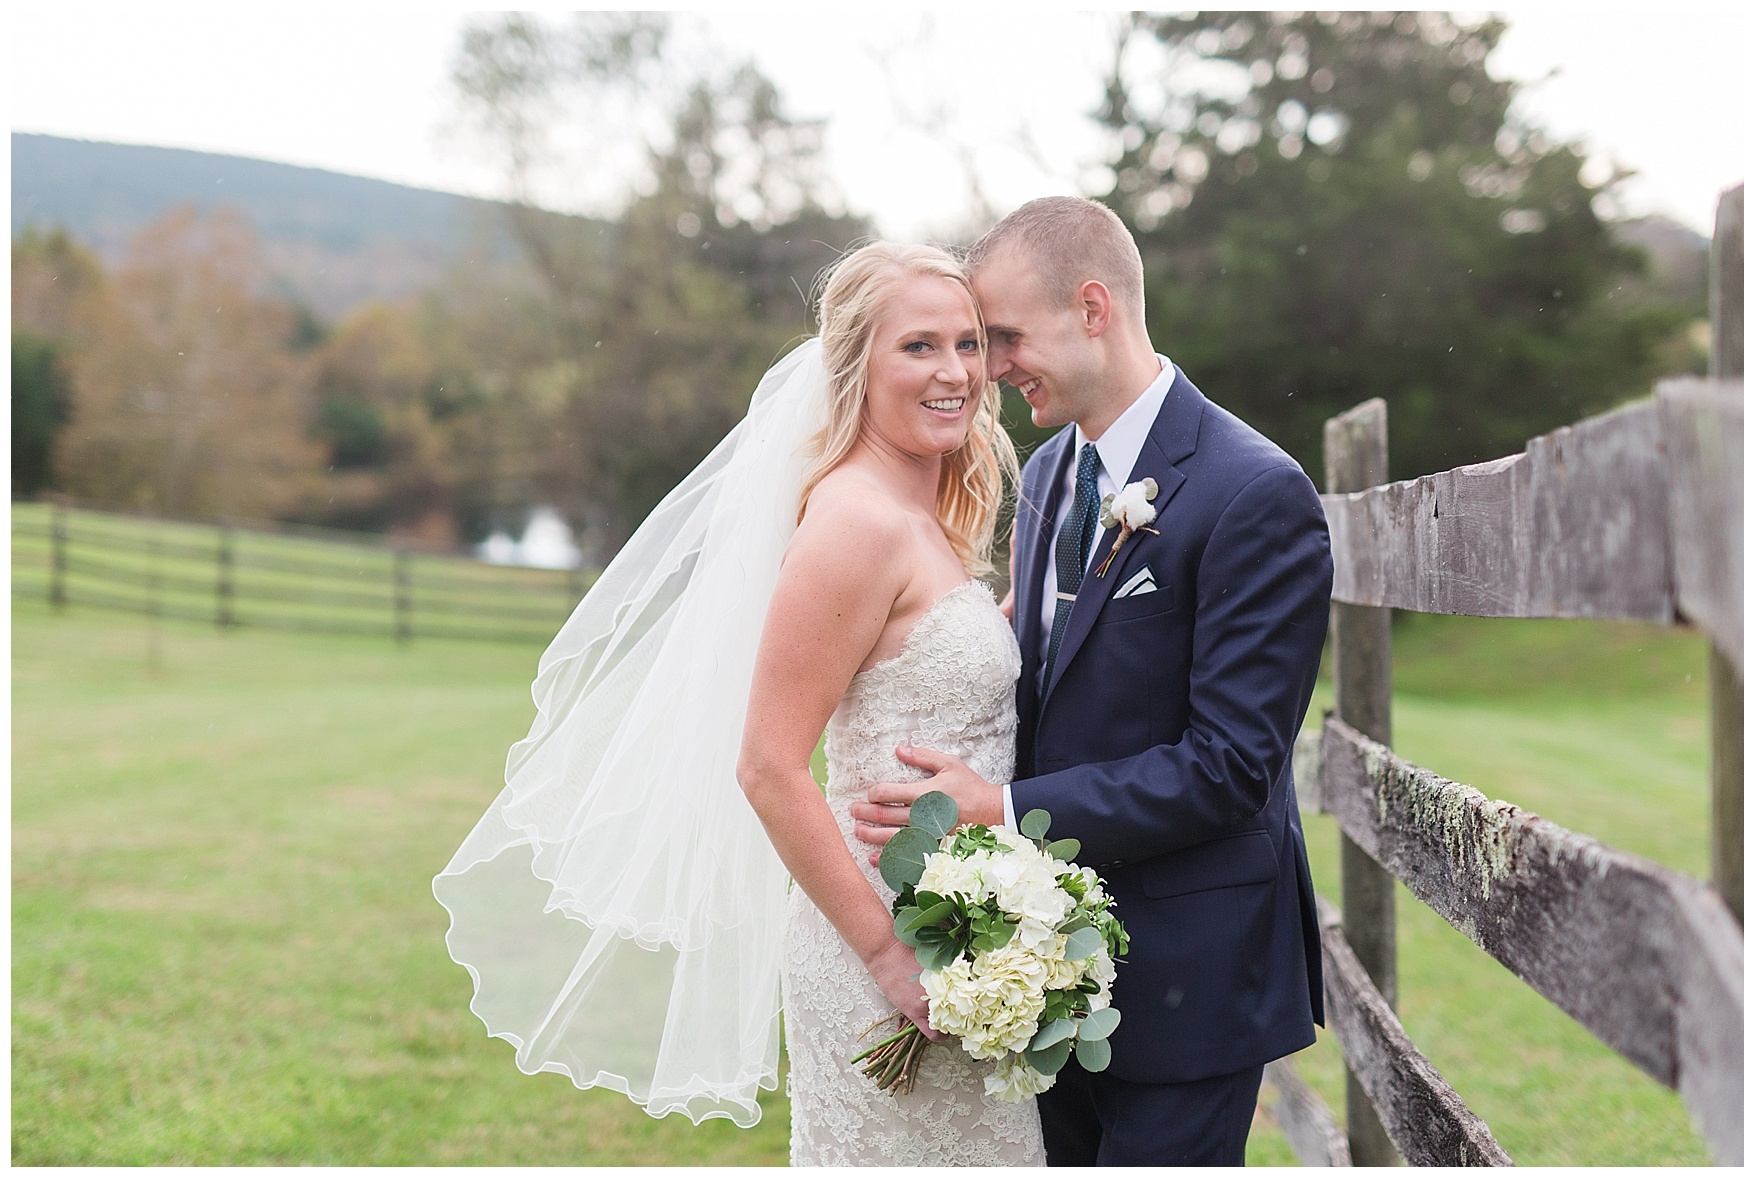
(225, 950)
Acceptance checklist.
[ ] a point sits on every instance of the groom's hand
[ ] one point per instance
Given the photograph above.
(885, 809)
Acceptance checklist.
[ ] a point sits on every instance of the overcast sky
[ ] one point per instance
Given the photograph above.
(364, 89)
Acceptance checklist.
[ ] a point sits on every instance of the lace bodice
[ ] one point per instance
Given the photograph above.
(951, 688)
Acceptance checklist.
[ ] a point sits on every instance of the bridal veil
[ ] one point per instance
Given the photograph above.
(619, 906)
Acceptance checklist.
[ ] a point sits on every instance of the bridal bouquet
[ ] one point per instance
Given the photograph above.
(1016, 946)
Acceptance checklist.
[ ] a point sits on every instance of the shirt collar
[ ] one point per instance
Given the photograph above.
(1119, 447)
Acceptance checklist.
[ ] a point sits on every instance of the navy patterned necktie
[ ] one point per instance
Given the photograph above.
(1072, 548)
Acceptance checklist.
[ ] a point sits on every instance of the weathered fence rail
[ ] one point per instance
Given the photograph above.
(1634, 514)
(321, 582)
(1422, 1115)
(1647, 959)
(1609, 518)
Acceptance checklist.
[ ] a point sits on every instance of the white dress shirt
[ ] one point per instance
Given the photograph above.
(1118, 449)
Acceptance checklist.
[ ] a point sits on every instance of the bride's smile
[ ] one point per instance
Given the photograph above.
(926, 366)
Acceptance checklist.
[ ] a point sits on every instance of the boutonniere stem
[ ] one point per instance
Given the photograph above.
(1131, 509)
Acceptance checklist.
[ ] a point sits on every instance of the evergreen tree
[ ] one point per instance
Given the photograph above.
(39, 410)
(1337, 206)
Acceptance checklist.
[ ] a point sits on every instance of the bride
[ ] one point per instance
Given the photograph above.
(624, 907)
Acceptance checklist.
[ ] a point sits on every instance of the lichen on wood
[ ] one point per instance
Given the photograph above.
(1647, 959)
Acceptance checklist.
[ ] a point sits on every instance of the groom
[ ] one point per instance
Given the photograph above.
(1159, 696)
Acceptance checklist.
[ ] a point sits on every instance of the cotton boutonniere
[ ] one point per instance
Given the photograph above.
(1131, 509)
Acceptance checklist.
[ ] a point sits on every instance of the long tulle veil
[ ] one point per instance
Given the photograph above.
(619, 906)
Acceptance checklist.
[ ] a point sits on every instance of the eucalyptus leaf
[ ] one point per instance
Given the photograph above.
(1066, 850)
(1099, 1024)
(1093, 1054)
(1034, 825)
(1081, 943)
(932, 916)
(1050, 1060)
(936, 956)
(904, 933)
(1054, 1032)
(935, 813)
(1073, 924)
(903, 860)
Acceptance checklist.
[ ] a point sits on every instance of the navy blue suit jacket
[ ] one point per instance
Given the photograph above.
(1163, 739)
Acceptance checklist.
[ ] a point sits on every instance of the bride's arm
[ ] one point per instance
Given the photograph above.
(842, 574)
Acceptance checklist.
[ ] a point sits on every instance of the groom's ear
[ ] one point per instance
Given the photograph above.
(1094, 307)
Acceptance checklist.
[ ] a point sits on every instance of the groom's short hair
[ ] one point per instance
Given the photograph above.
(1071, 240)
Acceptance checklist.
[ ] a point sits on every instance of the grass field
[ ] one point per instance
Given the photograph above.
(225, 950)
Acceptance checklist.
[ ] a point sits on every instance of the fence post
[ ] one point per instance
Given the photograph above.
(58, 554)
(1725, 292)
(223, 589)
(404, 598)
(1355, 452)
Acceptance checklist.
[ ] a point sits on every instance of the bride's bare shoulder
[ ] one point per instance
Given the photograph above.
(850, 502)
(853, 535)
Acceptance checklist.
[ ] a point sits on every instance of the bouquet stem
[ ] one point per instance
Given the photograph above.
(895, 1062)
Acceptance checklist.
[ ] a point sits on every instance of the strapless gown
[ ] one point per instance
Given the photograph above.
(952, 689)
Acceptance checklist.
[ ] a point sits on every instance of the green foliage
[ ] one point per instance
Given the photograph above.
(1053, 1031)
(903, 859)
(40, 403)
(1093, 1053)
(1050, 1059)
(1082, 943)
(973, 838)
(934, 812)
(1065, 850)
(666, 320)
(1100, 1024)
(355, 432)
(1344, 208)
(1034, 825)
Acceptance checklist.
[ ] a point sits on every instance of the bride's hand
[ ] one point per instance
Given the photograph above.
(897, 974)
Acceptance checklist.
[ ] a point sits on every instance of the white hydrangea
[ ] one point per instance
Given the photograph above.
(946, 874)
(992, 1003)
(1027, 884)
(1063, 974)
(1015, 1080)
(1100, 969)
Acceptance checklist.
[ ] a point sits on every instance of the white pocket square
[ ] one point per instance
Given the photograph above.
(1141, 582)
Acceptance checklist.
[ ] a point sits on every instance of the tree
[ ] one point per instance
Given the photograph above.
(185, 392)
(664, 319)
(1336, 206)
(56, 287)
(39, 410)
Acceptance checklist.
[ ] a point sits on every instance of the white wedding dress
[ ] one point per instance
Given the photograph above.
(623, 917)
(950, 689)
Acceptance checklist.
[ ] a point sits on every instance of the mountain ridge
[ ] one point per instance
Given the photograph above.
(332, 240)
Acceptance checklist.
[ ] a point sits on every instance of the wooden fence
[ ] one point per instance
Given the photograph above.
(1636, 514)
(307, 579)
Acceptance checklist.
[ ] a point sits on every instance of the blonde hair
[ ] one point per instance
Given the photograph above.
(973, 478)
(1071, 240)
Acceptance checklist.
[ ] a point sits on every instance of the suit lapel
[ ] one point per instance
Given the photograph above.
(1033, 533)
(1172, 439)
